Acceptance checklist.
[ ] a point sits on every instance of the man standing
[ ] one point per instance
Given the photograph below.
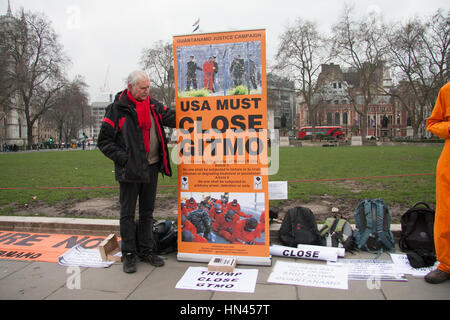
(237, 70)
(439, 124)
(191, 76)
(216, 71)
(250, 71)
(132, 135)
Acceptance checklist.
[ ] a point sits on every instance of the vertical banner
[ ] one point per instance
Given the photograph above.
(221, 104)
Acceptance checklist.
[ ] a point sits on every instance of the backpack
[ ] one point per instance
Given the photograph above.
(273, 214)
(299, 227)
(417, 237)
(338, 233)
(373, 224)
(165, 236)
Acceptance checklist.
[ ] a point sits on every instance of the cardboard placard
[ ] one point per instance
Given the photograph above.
(222, 264)
(108, 248)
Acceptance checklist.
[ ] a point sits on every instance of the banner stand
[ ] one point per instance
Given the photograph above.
(245, 260)
(222, 146)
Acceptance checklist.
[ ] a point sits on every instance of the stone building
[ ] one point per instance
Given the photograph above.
(335, 106)
(98, 108)
(281, 104)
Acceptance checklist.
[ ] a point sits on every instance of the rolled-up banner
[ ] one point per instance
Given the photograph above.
(340, 251)
(317, 253)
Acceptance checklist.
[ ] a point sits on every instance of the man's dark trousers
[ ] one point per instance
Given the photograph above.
(138, 239)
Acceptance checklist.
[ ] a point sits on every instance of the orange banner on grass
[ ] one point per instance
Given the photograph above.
(221, 105)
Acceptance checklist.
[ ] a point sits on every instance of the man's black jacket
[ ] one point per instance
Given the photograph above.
(120, 138)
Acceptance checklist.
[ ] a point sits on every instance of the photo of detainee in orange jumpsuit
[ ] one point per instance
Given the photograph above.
(246, 231)
(439, 124)
(235, 206)
(208, 73)
(225, 223)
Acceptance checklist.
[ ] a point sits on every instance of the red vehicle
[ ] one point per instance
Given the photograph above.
(324, 132)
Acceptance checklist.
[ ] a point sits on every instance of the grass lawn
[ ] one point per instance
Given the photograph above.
(33, 171)
(59, 171)
(316, 163)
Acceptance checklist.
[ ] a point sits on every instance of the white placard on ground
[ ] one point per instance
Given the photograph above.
(402, 266)
(199, 278)
(311, 275)
(81, 257)
(366, 269)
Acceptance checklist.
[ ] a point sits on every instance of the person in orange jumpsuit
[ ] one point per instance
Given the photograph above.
(224, 224)
(191, 205)
(235, 206)
(208, 73)
(216, 211)
(246, 231)
(262, 225)
(188, 236)
(223, 201)
(439, 124)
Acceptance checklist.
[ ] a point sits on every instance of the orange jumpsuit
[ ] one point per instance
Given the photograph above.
(438, 124)
(208, 72)
(242, 236)
(236, 207)
(223, 227)
(184, 211)
(262, 225)
(191, 205)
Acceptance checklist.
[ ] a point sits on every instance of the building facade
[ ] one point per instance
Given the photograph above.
(281, 105)
(98, 109)
(334, 105)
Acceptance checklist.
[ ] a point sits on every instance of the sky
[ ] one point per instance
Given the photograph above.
(104, 39)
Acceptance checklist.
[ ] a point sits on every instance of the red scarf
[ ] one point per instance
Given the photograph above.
(143, 114)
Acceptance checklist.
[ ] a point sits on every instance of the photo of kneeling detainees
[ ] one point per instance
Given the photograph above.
(225, 218)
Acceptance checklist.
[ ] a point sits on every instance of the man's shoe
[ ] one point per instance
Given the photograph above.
(129, 263)
(437, 276)
(153, 259)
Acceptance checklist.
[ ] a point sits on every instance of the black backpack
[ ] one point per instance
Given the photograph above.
(299, 226)
(417, 238)
(165, 236)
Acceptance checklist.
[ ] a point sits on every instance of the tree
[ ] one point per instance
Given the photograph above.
(301, 52)
(7, 83)
(158, 61)
(71, 111)
(361, 45)
(419, 55)
(37, 62)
